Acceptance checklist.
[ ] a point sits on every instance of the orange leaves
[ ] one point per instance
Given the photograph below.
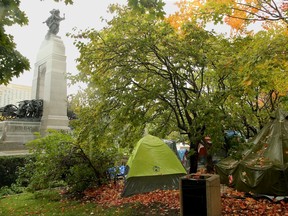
(237, 14)
(233, 202)
(110, 195)
(236, 23)
(188, 11)
(249, 206)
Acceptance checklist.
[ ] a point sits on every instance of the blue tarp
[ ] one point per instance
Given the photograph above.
(115, 172)
(181, 153)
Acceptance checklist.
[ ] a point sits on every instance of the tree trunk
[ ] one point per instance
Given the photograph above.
(210, 165)
(193, 163)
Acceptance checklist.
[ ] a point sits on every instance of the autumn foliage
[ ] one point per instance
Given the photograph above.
(233, 202)
(110, 195)
(235, 13)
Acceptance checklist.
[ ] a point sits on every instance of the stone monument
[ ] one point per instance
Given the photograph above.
(49, 81)
(49, 92)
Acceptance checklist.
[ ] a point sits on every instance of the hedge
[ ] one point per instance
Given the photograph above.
(8, 168)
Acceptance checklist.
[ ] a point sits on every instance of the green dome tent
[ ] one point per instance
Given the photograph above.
(264, 168)
(151, 166)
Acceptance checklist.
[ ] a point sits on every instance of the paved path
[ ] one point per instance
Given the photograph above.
(15, 152)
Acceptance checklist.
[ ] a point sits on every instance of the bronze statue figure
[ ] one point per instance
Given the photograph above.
(53, 22)
(26, 109)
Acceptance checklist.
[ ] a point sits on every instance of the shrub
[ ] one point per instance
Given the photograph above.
(9, 166)
(4, 191)
(13, 189)
(60, 161)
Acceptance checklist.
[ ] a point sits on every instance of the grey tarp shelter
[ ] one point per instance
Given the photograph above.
(172, 145)
(264, 168)
(151, 166)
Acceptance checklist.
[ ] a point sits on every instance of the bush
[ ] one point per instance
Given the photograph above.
(13, 189)
(60, 161)
(9, 166)
(4, 191)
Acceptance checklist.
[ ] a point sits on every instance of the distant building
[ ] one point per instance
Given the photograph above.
(12, 94)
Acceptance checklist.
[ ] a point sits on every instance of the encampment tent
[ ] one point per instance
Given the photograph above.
(172, 145)
(151, 166)
(264, 168)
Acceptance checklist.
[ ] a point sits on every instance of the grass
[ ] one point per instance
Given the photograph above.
(49, 202)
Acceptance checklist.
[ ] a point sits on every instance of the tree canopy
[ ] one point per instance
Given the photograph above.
(145, 76)
(237, 14)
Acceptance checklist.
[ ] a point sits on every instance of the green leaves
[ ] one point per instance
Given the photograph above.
(65, 1)
(154, 7)
(11, 14)
(61, 159)
(145, 76)
(239, 15)
(12, 63)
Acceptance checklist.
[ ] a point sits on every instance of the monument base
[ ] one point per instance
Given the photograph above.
(15, 134)
(55, 123)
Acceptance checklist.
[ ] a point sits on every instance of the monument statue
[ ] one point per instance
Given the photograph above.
(48, 107)
(53, 22)
(27, 109)
(50, 78)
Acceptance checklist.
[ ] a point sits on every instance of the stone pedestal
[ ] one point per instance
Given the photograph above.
(15, 134)
(50, 84)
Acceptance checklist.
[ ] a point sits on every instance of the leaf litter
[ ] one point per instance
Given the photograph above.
(233, 201)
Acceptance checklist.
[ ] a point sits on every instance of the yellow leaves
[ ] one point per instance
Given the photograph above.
(276, 26)
(205, 11)
(235, 23)
(247, 81)
(175, 20)
(238, 14)
(188, 11)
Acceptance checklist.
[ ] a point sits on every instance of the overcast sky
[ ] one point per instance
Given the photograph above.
(82, 14)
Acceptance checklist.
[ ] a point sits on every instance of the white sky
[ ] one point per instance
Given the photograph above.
(82, 14)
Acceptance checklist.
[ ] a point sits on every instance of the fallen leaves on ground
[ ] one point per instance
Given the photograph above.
(233, 202)
(237, 203)
(110, 195)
